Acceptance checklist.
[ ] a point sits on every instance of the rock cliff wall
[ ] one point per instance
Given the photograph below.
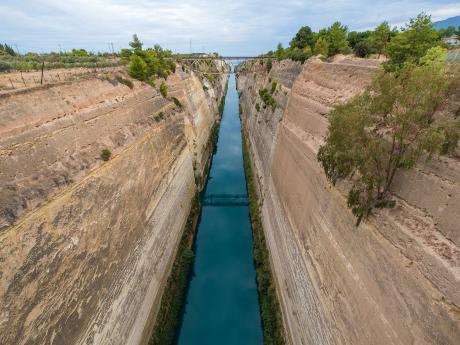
(86, 245)
(393, 280)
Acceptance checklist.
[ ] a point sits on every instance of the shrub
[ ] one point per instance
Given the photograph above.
(269, 65)
(363, 49)
(273, 88)
(105, 155)
(137, 68)
(267, 99)
(177, 102)
(257, 106)
(164, 89)
(124, 81)
(5, 66)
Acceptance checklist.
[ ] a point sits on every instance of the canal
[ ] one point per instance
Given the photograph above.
(222, 305)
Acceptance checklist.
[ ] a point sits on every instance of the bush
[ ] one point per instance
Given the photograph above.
(124, 81)
(273, 88)
(105, 155)
(164, 89)
(257, 106)
(177, 102)
(363, 49)
(5, 66)
(267, 98)
(137, 68)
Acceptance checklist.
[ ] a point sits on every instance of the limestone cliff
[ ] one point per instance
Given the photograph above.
(86, 245)
(393, 280)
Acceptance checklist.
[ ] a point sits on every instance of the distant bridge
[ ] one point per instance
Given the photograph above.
(225, 200)
(201, 57)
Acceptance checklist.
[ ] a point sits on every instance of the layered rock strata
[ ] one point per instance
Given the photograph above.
(393, 280)
(86, 245)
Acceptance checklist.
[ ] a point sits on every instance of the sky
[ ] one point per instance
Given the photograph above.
(237, 27)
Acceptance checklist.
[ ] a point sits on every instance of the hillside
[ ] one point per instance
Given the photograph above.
(444, 24)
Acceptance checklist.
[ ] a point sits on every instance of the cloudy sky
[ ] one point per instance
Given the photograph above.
(229, 27)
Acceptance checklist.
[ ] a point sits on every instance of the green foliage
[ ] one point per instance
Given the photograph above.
(321, 47)
(363, 49)
(337, 39)
(5, 49)
(355, 37)
(137, 68)
(136, 44)
(304, 38)
(164, 89)
(435, 55)
(105, 155)
(267, 98)
(273, 87)
(124, 81)
(79, 52)
(273, 332)
(412, 43)
(257, 107)
(269, 65)
(387, 128)
(380, 37)
(5, 66)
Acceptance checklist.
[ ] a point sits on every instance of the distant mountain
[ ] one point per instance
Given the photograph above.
(444, 24)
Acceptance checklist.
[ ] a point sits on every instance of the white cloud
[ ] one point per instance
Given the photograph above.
(231, 27)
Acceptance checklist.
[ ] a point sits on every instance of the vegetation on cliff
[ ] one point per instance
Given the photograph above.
(147, 64)
(390, 127)
(408, 44)
(273, 331)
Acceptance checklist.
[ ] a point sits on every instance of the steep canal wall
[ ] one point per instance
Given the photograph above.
(393, 280)
(86, 245)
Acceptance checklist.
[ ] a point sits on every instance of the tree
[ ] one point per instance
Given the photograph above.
(304, 38)
(137, 68)
(280, 53)
(136, 44)
(337, 39)
(321, 47)
(435, 55)
(412, 43)
(354, 37)
(380, 37)
(389, 127)
(363, 49)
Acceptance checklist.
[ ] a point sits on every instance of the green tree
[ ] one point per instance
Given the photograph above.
(304, 38)
(389, 127)
(412, 43)
(321, 47)
(435, 55)
(354, 37)
(380, 37)
(337, 39)
(280, 52)
(363, 49)
(136, 44)
(164, 89)
(137, 68)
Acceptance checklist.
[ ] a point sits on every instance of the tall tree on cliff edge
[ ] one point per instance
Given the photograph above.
(304, 38)
(387, 128)
(412, 43)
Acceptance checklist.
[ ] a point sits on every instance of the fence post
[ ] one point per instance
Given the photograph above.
(43, 66)
(23, 80)
(11, 83)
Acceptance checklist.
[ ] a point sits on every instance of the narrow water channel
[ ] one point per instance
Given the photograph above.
(222, 304)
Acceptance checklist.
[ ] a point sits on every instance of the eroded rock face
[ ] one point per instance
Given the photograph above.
(393, 280)
(86, 245)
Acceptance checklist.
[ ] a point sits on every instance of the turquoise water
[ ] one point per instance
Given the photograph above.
(222, 304)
